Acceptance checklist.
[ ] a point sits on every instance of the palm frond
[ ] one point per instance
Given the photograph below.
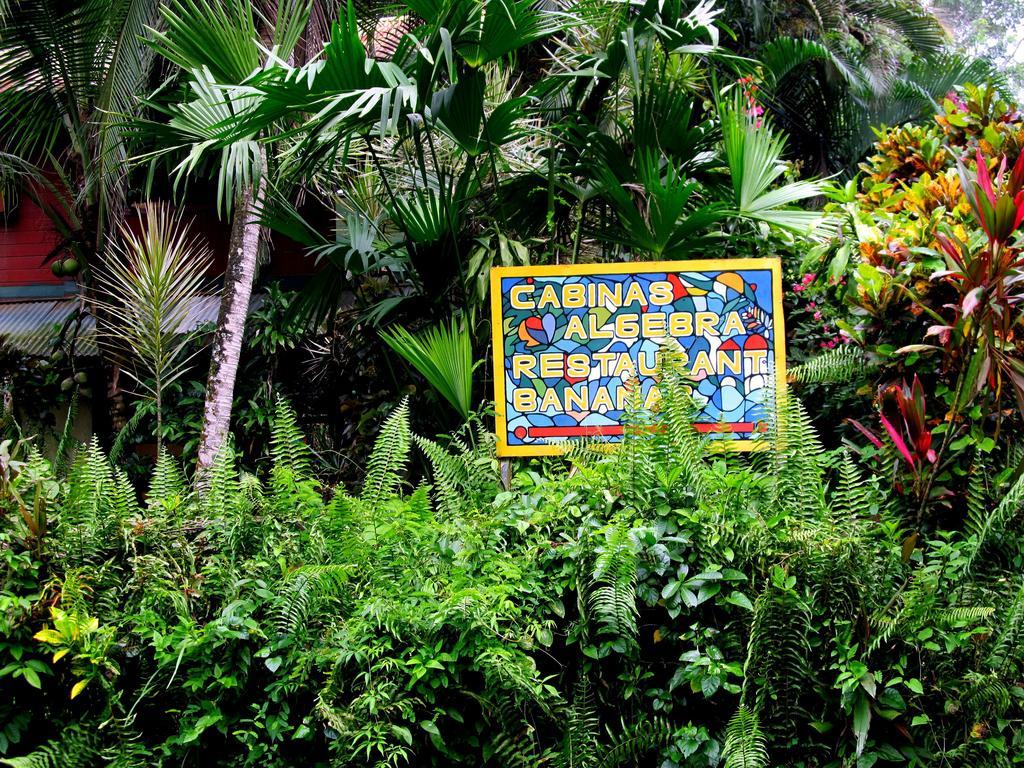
(754, 154)
(443, 355)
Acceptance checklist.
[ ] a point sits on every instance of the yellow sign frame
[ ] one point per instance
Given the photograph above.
(772, 265)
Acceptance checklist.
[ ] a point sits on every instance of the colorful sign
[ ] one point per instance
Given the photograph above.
(567, 339)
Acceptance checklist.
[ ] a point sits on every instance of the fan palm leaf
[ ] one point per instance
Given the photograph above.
(754, 154)
(443, 355)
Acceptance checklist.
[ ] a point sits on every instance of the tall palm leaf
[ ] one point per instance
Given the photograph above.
(754, 152)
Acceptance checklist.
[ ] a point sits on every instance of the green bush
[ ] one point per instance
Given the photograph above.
(665, 604)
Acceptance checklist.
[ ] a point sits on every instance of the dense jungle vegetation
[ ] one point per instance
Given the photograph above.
(325, 563)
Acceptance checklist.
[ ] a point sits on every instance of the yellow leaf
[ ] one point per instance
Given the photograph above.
(78, 687)
(49, 636)
(60, 654)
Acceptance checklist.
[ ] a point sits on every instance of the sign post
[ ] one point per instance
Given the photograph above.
(568, 339)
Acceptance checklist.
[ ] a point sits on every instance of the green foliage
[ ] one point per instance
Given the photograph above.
(744, 742)
(146, 293)
(788, 608)
(443, 356)
(76, 748)
(841, 364)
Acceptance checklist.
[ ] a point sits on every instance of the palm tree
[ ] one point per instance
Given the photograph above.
(219, 47)
(69, 74)
(452, 134)
(835, 70)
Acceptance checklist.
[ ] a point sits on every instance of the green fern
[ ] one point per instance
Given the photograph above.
(388, 460)
(308, 590)
(167, 486)
(745, 745)
(62, 455)
(1008, 643)
(983, 527)
(853, 498)
(778, 657)
(582, 730)
(833, 366)
(77, 747)
(451, 475)
(125, 434)
(613, 588)
(288, 449)
(685, 448)
(635, 741)
(222, 492)
(796, 461)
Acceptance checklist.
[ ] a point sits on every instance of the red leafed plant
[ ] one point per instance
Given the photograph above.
(982, 335)
(902, 413)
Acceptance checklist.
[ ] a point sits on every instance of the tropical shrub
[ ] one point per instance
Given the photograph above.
(924, 286)
(665, 604)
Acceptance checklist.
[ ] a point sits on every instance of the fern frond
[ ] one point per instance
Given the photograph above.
(124, 435)
(451, 475)
(288, 449)
(123, 503)
(388, 460)
(222, 493)
(62, 455)
(580, 739)
(745, 745)
(852, 498)
(833, 366)
(77, 747)
(796, 461)
(677, 414)
(977, 499)
(613, 589)
(778, 652)
(308, 589)
(167, 486)
(635, 741)
(1009, 640)
(983, 527)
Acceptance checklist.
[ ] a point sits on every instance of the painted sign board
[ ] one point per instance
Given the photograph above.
(567, 339)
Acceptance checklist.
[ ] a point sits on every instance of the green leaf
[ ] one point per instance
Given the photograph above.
(31, 677)
(708, 686)
(430, 727)
(443, 355)
(738, 598)
(861, 719)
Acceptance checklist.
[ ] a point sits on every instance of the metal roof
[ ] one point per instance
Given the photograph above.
(32, 327)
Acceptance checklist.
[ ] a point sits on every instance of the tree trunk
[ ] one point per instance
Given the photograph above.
(227, 341)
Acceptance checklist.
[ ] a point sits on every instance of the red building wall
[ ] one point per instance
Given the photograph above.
(29, 238)
(24, 245)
